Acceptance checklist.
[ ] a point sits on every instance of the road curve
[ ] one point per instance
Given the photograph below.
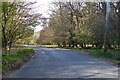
(62, 63)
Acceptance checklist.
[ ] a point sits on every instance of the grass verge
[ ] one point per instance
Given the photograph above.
(13, 61)
(112, 55)
(48, 46)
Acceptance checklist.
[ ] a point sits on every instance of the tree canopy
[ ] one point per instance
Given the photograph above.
(82, 24)
(18, 22)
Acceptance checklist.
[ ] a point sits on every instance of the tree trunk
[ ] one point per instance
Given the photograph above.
(73, 45)
(76, 45)
(92, 45)
(69, 45)
(81, 45)
(84, 45)
(10, 46)
(5, 39)
(109, 46)
(4, 32)
(58, 44)
(118, 45)
(64, 44)
(100, 46)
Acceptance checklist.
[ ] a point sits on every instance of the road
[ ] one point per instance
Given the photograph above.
(63, 63)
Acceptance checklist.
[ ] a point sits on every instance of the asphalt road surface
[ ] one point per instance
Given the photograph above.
(62, 63)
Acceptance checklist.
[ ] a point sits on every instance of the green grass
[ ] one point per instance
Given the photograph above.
(5, 68)
(75, 48)
(49, 46)
(56, 46)
(19, 57)
(118, 62)
(111, 55)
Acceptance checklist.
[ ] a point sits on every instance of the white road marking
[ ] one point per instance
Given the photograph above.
(43, 52)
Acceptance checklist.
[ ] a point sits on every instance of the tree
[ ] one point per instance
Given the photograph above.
(83, 24)
(18, 22)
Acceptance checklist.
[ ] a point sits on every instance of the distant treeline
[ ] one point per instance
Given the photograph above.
(82, 23)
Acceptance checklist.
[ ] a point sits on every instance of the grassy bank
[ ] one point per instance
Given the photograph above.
(111, 55)
(13, 61)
